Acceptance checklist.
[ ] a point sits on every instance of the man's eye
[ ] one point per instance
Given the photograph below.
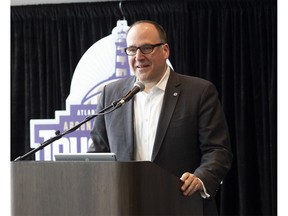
(132, 49)
(146, 48)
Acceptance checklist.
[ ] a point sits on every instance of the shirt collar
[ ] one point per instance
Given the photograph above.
(163, 82)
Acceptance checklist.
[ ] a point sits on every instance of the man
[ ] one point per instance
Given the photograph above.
(177, 122)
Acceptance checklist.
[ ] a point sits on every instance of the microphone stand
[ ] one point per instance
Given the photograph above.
(60, 135)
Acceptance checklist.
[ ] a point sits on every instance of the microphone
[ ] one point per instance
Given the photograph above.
(138, 86)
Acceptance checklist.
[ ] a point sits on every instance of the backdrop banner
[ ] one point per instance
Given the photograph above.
(104, 62)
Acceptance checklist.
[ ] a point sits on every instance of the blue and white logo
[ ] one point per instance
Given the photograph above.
(104, 62)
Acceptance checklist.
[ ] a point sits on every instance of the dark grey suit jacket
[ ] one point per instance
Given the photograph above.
(192, 133)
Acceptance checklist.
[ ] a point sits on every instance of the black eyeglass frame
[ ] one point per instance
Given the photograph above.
(140, 47)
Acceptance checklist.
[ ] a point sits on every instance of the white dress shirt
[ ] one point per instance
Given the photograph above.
(147, 108)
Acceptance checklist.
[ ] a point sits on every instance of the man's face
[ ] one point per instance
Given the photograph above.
(148, 68)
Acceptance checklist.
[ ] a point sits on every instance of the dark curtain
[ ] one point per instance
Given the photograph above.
(232, 43)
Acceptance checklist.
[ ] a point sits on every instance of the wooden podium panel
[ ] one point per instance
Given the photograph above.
(97, 188)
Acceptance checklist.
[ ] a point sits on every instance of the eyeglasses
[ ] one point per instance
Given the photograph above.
(145, 49)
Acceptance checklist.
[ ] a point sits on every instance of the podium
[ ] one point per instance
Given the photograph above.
(97, 188)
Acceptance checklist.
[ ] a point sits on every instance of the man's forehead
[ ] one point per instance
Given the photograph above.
(141, 29)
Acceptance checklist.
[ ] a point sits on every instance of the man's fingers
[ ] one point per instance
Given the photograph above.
(191, 184)
(193, 187)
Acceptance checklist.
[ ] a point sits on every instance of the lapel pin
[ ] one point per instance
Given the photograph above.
(175, 94)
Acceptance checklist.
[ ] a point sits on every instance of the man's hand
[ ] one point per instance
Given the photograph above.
(191, 184)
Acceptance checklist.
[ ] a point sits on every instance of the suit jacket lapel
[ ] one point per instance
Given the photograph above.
(172, 92)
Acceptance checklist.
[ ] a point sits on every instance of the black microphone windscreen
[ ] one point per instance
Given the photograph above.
(140, 85)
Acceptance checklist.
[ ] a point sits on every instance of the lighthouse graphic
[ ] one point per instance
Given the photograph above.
(104, 62)
(121, 68)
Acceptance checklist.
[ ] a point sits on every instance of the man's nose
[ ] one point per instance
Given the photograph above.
(139, 54)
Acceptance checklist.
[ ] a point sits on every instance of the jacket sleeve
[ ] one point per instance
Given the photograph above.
(98, 133)
(214, 141)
